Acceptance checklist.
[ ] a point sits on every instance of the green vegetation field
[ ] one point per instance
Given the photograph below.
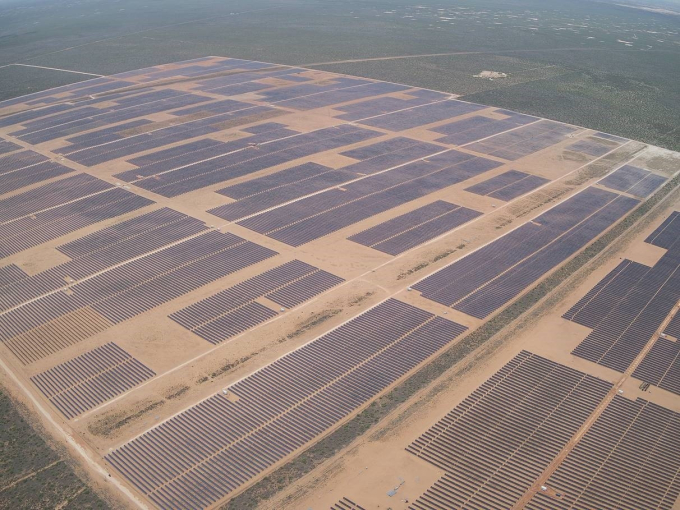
(33, 475)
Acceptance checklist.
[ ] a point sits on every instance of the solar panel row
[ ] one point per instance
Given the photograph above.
(494, 444)
(252, 160)
(136, 286)
(488, 278)
(665, 235)
(673, 327)
(508, 186)
(6, 147)
(347, 504)
(627, 459)
(104, 249)
(524, 140)
(197, 154)
(661, 366)
(633, 180)
(235, 310)
(91, 379)
(314, 217)
(601, 299)
(416, 227)
(204, 453)
(629, 326)
(10, 274)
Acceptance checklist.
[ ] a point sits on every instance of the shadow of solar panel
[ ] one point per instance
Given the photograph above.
(91, 379)
(661, 366)
(422, 115)
(596, 304)
(491, 466)
(280, 407)
(629, 326)
(622, 461)
(667, 233)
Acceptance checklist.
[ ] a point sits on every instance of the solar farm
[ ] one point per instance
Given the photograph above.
(210, 267)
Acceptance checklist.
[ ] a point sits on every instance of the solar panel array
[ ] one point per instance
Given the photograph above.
(673, 327)
(631, 323)
(627, 459)
(508, 185)
(6, 146)
(206, 452)
(633, 180)
(495, 443)
(347, 504)
(592, 147)
(404, 232)
(422, 115)
(235, 309)
(103, 249)
(24, 168)
(129, 289)
(665, 235)
(91, 379)
(259, 194)
(248, 161)
(319, 215)
(382, 105)
(661, 366)
(52, 210)
(472, 129)
(488, 278)
(524, 141)
(10, 274)
(610, 291)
